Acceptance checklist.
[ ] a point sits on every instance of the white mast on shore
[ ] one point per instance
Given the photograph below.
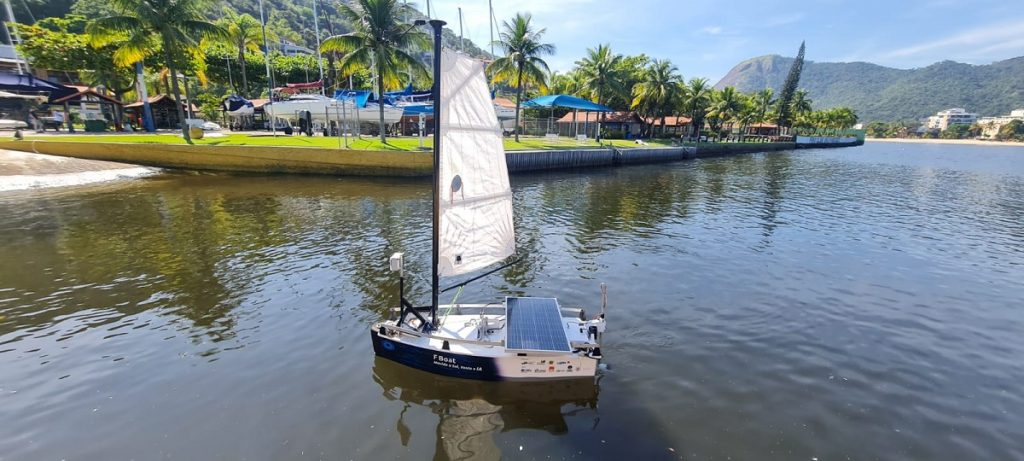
(490, 23)
(270, 77)
(319, 57)
(462, 41)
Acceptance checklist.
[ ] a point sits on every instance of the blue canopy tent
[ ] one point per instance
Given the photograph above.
(568, 102)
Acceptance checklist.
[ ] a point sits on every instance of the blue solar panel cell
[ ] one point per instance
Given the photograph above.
(535, 324)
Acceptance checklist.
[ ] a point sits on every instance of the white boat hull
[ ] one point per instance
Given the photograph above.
(330, 110)
(454, 350)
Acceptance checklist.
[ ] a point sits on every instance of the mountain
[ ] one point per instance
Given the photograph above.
(881, 93)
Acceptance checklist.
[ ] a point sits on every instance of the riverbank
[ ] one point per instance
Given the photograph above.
(351, 162)
(22, 170)
(959, 142)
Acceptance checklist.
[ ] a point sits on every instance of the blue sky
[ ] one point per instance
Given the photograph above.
(707, 38)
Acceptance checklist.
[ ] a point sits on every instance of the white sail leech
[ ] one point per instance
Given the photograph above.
(475, 197)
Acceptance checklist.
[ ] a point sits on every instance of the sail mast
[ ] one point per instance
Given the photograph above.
(436, 24)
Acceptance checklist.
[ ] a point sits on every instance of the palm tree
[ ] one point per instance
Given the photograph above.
(522, 63)
(725, 105)
(177, 26)
(657, 90)
(378, 40)
(600, 72)
(244, 34)
(800, 104)
(764, 100)
(696, 98)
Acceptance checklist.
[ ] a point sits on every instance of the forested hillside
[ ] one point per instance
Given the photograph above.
(881, 93)
(291, 20)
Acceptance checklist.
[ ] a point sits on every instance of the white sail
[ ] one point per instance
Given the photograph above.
(475, 199)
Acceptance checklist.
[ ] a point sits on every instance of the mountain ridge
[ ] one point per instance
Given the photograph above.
(880, 93)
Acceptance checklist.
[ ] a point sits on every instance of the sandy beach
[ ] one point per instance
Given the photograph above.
(962, 142)
(20, 170)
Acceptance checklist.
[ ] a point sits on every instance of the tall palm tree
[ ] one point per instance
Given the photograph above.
(800, 104)
(600, 71)
(697, 97)
(378, 40)
(522, 63)
(657, 90)
(764, 100)
(176, 25)
(244, 34)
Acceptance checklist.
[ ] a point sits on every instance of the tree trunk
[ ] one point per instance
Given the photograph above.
(600, 115)
(380, 98)
(519, 99)
(175, 91)
(245, 77)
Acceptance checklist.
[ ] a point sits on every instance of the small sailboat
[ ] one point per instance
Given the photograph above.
(520, 338)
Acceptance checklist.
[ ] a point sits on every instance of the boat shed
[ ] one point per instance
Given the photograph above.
(97, 110)
(164, 113)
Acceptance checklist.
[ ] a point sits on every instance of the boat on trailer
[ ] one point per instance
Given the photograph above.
(532, 338)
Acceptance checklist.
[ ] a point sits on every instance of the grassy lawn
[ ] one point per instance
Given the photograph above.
(365, 143)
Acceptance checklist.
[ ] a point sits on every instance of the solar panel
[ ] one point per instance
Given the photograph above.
(535, 324)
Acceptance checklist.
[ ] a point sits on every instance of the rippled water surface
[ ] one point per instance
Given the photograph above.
(863, 303)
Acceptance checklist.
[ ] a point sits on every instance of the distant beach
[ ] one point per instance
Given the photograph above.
(962, 142)
(20, 170)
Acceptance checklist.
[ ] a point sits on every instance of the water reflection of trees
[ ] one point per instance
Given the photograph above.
(471, 413)
(192, 247)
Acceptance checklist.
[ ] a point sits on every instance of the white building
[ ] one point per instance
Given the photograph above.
(990, 125)
(290, 49)
(949, 117)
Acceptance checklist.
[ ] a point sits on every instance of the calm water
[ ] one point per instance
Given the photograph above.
(860, 303)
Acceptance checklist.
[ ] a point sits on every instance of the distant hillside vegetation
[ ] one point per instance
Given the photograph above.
(881, 93)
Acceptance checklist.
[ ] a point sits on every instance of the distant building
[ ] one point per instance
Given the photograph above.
(990, 125)
(290, 49)
(949, 117)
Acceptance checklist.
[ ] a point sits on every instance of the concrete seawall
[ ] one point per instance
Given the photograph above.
(306, 160)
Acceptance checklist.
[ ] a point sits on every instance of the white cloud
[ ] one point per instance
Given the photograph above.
(712, 30)
(975, 43)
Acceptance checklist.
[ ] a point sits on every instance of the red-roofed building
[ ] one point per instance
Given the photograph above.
(613, 124)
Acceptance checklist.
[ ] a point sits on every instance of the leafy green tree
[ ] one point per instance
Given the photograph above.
(658, 91)
(177, 25)
(522, 63)
(789, 89)
(956, 132)
(379, 40)
(1012, 130)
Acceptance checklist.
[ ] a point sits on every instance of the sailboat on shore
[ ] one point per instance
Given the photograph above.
(519, 338)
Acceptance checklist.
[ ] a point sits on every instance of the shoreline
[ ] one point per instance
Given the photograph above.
(960, 142)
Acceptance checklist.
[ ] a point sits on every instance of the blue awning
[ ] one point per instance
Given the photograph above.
(566, 101)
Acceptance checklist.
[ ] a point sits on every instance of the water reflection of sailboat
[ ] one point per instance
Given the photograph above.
(471, 412)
